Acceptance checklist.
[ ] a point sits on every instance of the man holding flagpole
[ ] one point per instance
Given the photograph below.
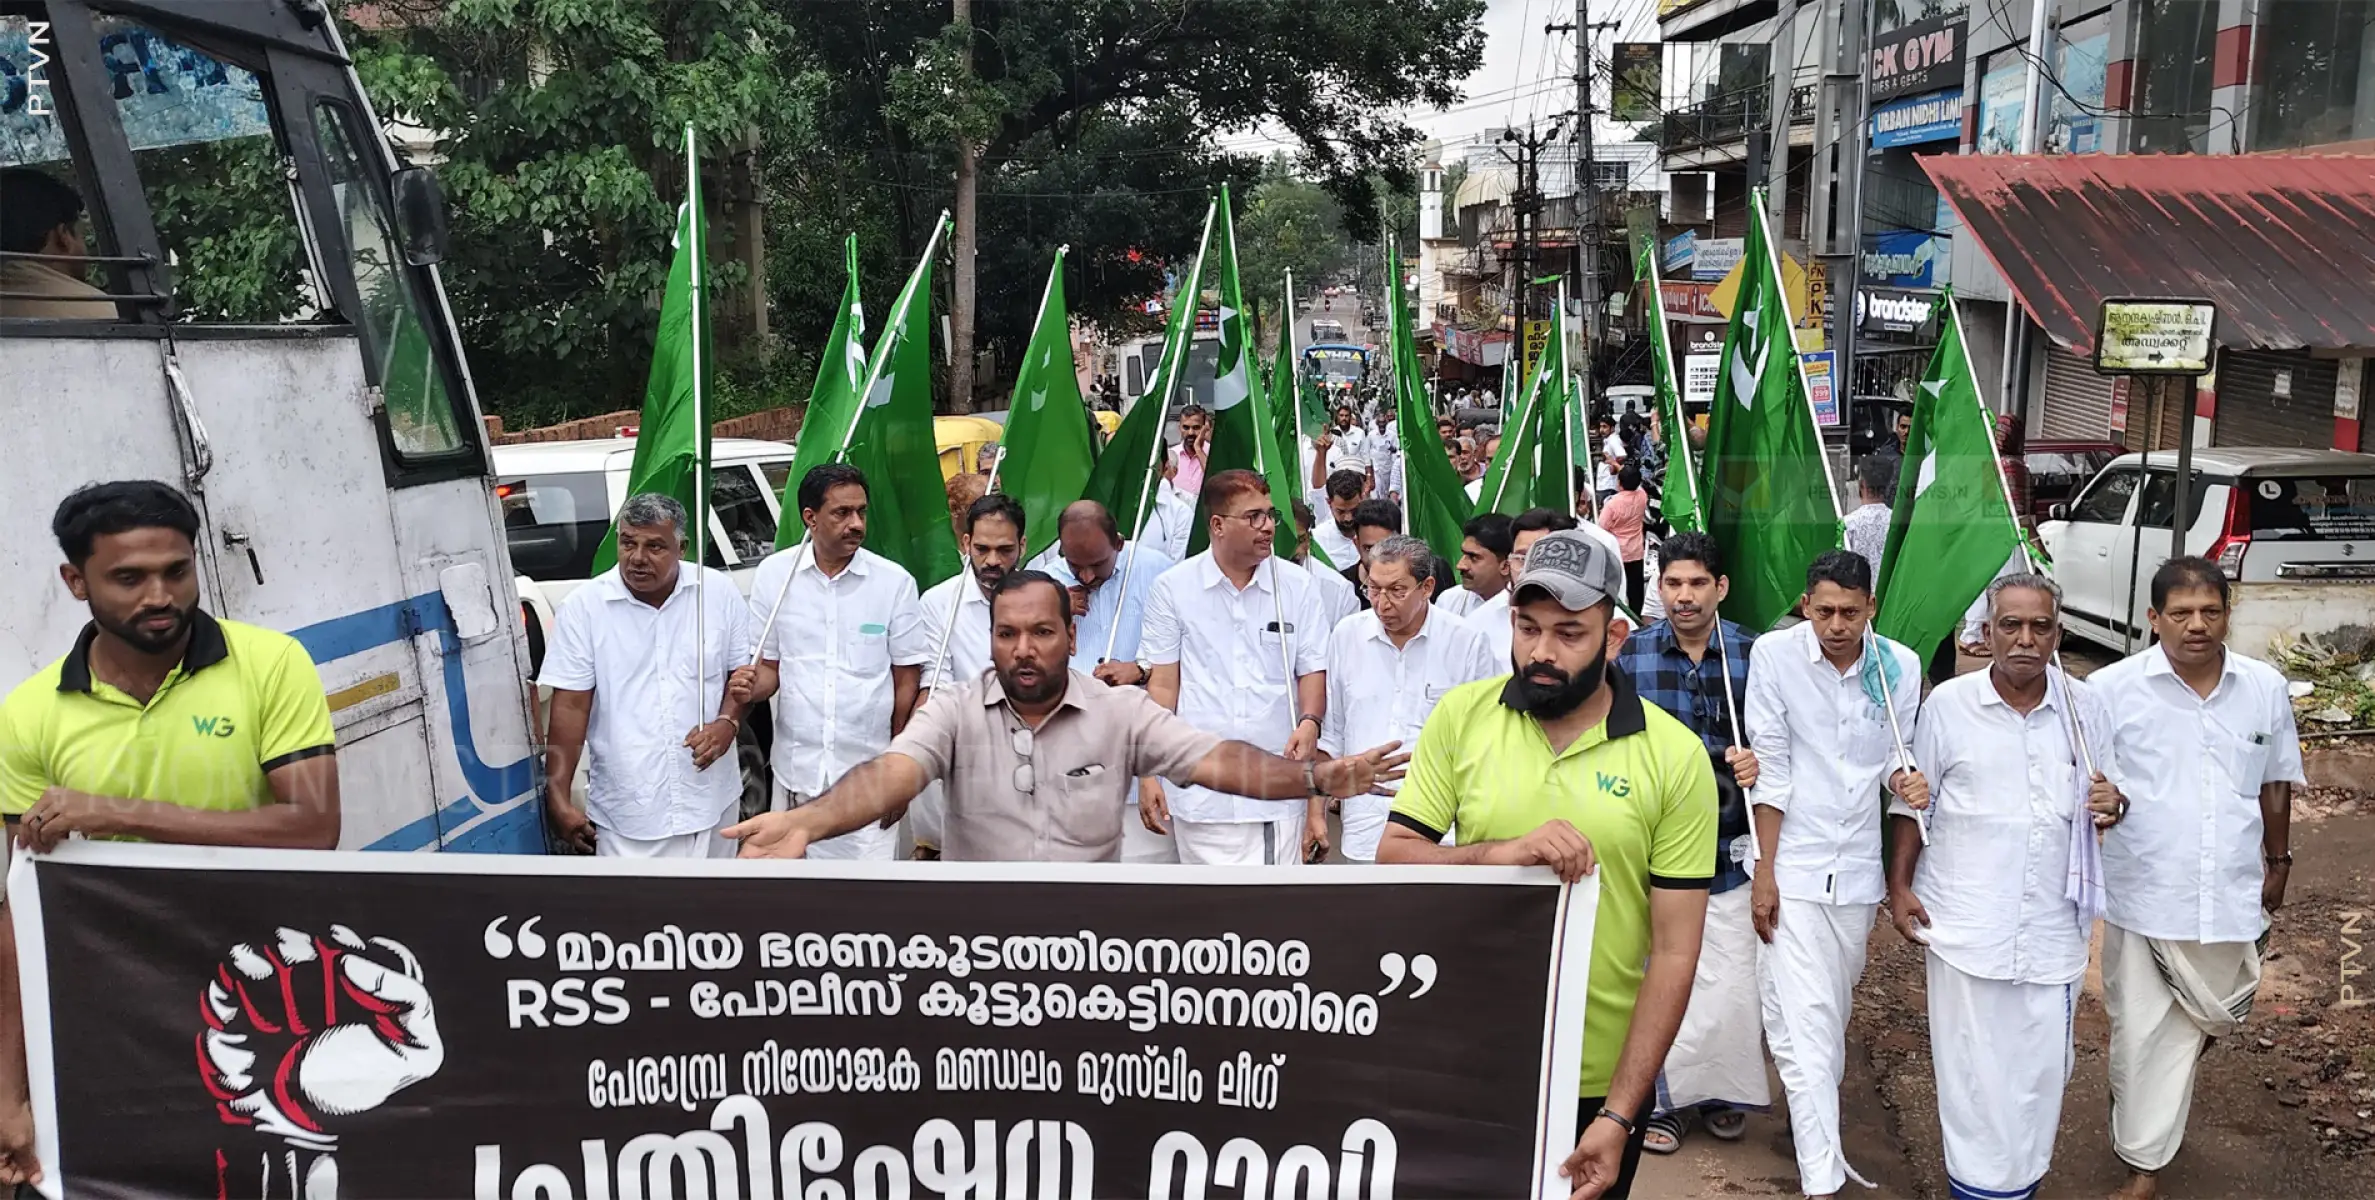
(1827, 716)
(633, 649)
(957, 613)
(846, 647)
(1237, 643)
(2015, 813)
(1717, 1065)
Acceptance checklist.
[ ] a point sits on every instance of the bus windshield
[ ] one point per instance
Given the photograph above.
(1336, 363)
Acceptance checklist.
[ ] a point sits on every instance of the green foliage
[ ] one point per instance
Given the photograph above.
(1289, 224)
(223, 213)
(560, 123)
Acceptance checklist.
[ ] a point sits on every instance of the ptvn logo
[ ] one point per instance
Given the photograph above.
(28, 90)
(2351, 968)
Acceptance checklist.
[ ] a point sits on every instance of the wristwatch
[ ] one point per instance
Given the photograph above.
(1307, 717)
(2279, 860)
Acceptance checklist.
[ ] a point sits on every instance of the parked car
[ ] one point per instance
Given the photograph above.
(2295, 530)
(557, 500)
(2058, 469)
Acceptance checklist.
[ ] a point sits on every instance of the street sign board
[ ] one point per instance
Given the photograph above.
(2145, 335)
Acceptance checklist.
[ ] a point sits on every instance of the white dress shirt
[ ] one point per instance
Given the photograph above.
(1460, 602)
(1491, 618)
(837, 639)
(1338, 598)
(1379, 694)
(2004, 789)
(1171, 523)
(968, 653)
(1232, 679)
(650, 688)
(1824, 750)
(1341, 550)
(2185, 864)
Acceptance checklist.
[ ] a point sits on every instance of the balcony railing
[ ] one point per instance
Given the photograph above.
(1728, 117)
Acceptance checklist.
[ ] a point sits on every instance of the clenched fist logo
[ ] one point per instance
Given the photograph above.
(306, 1030)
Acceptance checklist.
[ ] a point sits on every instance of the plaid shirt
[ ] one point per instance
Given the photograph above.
(1689, 692)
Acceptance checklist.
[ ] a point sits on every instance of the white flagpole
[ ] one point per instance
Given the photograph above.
(700, 515)
(1168, 369)
(1888, 700)
(948, 626)
(882, 358)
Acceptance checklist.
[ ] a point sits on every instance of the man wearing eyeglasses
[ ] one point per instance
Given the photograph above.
(1036, 756)
(1386, 669)
(1237, 642)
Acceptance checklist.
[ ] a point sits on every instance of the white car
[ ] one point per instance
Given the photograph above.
(2295, 530)
(558, 498)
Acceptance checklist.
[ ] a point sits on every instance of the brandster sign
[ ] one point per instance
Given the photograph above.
(1921, 57)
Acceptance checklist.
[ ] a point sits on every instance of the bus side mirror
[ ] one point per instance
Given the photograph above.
(420, 215)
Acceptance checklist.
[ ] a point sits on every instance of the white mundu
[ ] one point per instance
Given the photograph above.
(2182, 877)
(2007, 946)
(837, 639)
(1824, 748)
(1378, 694)
(652, 681)
(1226, 642)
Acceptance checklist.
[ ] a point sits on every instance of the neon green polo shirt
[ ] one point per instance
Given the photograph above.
(244, 702)
(1639, 786)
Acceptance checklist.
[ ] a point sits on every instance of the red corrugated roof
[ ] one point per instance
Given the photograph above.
(2283, 244)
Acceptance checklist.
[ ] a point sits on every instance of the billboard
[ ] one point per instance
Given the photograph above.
(1921, 57)
(1913, 120)
(1636, 80)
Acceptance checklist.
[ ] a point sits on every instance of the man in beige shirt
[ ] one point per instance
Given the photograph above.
(1038, 757)
(40, 215)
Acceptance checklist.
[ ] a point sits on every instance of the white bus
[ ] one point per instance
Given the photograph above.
(324, 424)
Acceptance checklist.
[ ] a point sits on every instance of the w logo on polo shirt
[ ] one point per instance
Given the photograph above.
(213, 726)
(1618, 786)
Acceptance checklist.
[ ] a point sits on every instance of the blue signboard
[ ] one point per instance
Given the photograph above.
(1935, 117)
(1903, 258)
(1679, 251)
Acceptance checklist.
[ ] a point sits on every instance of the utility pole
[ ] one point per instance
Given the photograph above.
(966, 232)
(1845, 106)
(1526, 203)
(1586, 268)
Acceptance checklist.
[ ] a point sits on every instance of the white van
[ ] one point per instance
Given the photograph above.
(557, 500)
(2295, 530)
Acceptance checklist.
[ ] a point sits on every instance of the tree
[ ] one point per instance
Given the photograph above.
(558, 124)
(1097, 92)
(1289, 224)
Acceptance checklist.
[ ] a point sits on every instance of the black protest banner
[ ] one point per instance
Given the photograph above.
(256, 1023)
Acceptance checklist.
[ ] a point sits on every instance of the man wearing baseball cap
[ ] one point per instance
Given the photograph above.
(1562, 764)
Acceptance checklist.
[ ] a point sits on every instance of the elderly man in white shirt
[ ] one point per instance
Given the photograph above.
(1386, 669)
(846, 651)
(2204, 742)
(957, 618)
(1824, 746)
(1238, 645)
(2014, 812)
(643, 650)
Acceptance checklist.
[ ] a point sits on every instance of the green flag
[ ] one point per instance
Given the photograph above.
(1294, 406)
(672, 439)
(1434, 497)
(1952, 526)
(1047, 452)
(907, 504)
(832, 399)
(1509, 481)
(1126, 473)
(1679, 498)
(1769, 501)
(1244, 437)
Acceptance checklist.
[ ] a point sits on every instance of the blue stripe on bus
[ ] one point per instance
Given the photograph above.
(490, 785)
